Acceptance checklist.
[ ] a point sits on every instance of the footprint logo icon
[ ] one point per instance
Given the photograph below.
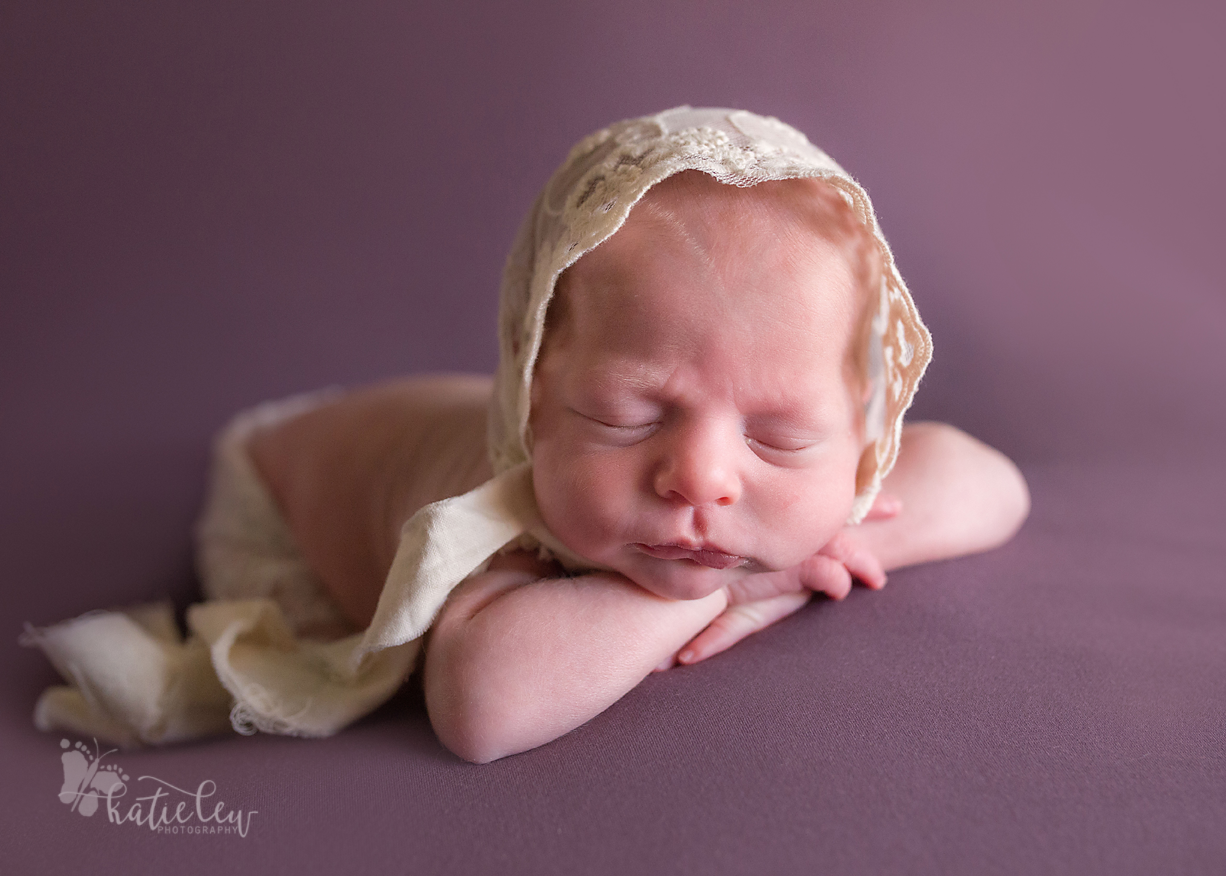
(85, 781)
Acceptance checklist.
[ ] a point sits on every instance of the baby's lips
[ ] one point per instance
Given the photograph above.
(716, 559)
(709, 557)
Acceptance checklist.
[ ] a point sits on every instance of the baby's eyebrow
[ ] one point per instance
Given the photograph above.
(627, 376)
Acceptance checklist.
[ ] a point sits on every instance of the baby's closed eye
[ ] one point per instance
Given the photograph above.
(628, 426)
(783, 441)
(784, 451)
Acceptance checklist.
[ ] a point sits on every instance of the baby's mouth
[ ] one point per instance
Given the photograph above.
(711, 557)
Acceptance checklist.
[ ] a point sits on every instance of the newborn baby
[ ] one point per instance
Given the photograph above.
(696, 425)
(697, 421)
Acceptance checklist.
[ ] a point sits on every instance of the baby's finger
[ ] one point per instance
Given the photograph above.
(861, 563)
(826, 575)
(884, 507)
(738, 622)
(668, 663)
(866, 568)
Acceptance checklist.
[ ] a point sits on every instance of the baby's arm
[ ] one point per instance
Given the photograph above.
(521, 655)
(959, 496)
(949, 495)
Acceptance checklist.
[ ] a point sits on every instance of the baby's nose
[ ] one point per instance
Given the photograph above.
(698, 469)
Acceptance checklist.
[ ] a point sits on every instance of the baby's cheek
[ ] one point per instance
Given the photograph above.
(571, 494)
(594, 493)
(811, 513)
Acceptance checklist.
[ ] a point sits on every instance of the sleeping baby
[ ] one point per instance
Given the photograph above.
(706, 355)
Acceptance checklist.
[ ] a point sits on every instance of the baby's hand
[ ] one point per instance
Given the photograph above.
(833, 569)
(757, 601)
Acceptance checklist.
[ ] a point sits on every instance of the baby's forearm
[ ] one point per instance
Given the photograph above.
(515, 662)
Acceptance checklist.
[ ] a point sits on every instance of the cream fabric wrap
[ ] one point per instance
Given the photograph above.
(132, 679)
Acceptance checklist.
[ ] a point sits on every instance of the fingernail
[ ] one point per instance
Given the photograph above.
(685, 656)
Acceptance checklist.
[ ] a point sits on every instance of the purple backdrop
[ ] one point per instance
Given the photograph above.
(205, 207)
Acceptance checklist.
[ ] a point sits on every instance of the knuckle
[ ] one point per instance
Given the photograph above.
(838, 546)
(750, 615)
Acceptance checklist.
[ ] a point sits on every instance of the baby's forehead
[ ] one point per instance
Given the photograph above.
(786, 214)
(692, 222)
(792, 250)
(693, 244)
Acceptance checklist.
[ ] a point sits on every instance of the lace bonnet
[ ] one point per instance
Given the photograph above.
(589, 197)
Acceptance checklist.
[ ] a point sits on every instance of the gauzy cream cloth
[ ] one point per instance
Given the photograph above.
(133, 679)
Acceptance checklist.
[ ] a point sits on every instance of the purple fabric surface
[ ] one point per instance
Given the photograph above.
(204, 207)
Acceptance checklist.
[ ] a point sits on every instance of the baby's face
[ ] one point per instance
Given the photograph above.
(692, 416)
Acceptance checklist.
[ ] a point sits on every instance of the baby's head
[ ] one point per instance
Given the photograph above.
(697, 407)
(693, 317)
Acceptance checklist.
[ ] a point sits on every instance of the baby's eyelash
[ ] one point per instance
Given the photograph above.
(789, 447)
(622, 426)
(619, 427)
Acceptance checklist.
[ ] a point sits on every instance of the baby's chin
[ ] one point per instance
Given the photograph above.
(684, 579)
